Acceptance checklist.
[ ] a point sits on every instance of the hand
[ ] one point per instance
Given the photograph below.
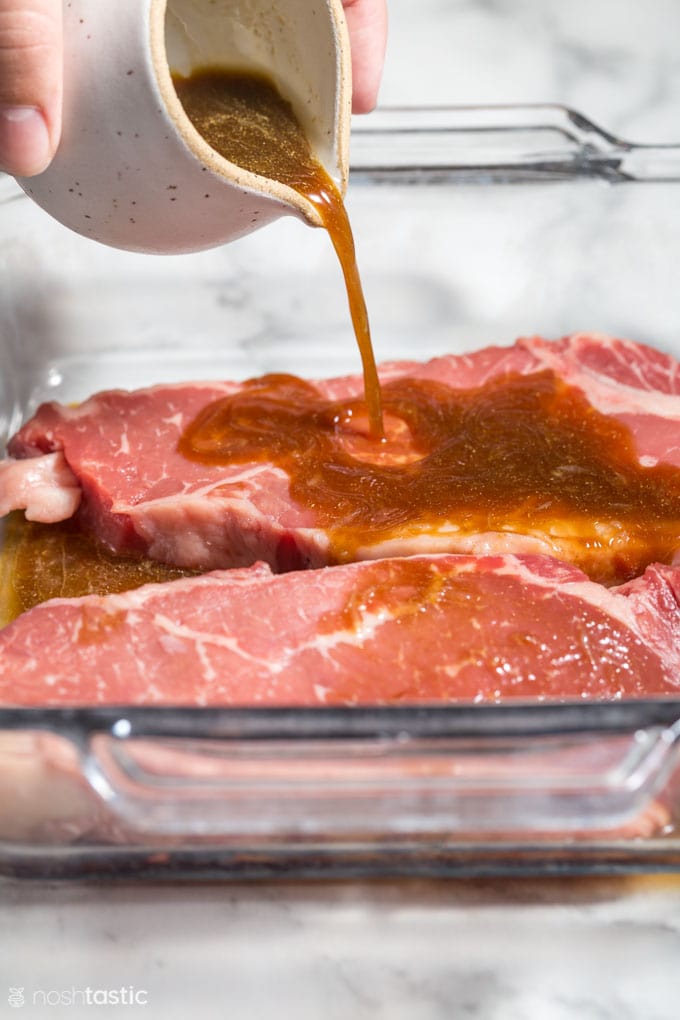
(31, 75)
(367, 22)
(30, 84)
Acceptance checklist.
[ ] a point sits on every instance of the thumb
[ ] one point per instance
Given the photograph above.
(30, 84)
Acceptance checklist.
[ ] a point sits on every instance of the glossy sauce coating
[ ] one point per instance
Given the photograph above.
(246, 120)
(523, 454)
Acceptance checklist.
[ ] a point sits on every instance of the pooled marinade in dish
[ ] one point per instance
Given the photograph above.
(49, 561)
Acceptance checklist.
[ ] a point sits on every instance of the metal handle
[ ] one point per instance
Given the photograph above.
(506, 144)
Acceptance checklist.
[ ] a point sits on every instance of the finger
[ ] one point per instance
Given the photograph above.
(367, 23)
(30, 84)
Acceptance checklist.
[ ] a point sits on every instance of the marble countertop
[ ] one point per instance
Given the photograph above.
(579, 949)
(569, 949)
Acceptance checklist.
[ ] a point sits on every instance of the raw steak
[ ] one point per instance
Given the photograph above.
(414, 629)
(139, 495)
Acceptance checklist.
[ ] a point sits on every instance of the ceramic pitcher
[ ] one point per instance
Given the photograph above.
(131, 169)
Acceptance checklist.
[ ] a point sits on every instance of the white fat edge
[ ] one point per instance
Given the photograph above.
(609, 396)
(450, 539)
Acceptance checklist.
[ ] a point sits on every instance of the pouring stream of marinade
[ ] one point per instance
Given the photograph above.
(245, 119)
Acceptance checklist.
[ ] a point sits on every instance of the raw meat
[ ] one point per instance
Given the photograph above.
(45, 487)
(414, 629)
(139, 495)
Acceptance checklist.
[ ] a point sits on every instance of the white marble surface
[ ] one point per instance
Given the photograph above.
(616, 61)
(522, 950)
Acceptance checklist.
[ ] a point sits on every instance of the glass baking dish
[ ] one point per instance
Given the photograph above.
(473, 226)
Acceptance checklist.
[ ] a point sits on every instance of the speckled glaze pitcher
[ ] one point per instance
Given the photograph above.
(132, 171)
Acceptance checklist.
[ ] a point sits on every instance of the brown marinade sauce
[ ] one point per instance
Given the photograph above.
(246, 120)
(523, 454)
(49, 561)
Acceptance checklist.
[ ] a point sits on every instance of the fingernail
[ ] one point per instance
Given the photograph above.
(24, 141)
